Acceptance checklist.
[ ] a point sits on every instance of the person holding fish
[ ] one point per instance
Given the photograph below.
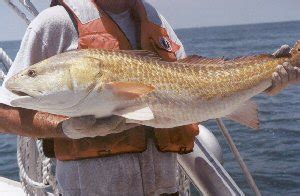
(107, 156)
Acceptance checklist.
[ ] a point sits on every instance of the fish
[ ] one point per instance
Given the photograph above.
(144, 89)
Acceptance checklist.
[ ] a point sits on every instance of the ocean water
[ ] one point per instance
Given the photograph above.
(272, 152)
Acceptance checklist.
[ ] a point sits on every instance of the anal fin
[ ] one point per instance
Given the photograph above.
(140, 114)
(246, 114)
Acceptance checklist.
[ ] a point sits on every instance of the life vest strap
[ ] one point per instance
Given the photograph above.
(85, 10)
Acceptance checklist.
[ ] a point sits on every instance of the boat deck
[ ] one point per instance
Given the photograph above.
(10, 188)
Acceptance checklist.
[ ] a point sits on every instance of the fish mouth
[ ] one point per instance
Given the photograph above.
(20, 93)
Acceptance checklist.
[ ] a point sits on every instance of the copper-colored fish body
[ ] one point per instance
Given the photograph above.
(205, 79)
(135, 83)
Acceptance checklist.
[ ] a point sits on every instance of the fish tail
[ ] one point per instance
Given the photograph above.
(295, 55)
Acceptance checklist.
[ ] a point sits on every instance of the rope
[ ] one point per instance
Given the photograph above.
(4, 58)
(23, 173)
(24, 186)
(48, 177)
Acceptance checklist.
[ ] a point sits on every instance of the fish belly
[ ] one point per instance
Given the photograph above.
(224, 106)
(168, 115)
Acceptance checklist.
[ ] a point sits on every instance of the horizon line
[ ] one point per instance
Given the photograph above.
(208, 26)
(239, 24)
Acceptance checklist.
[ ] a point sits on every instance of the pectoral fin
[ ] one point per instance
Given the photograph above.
(246, 114)
(141, 114)
(129, 90)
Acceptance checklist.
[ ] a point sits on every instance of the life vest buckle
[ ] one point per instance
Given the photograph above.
(165, 43)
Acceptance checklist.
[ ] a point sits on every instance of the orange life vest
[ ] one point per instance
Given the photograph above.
(97, 30)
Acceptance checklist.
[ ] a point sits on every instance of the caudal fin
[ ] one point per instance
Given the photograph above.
(295, 55)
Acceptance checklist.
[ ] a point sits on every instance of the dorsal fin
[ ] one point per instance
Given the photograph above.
(191, 59)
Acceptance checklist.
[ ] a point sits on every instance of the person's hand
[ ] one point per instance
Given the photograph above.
(89, 126)
(285, 74)
(283, 51)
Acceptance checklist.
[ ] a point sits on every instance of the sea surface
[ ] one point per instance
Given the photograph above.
(272, 152)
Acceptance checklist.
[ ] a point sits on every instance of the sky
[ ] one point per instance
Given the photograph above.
(184, 13)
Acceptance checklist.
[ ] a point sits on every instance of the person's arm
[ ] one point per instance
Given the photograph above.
(30, 123)
(286, 74)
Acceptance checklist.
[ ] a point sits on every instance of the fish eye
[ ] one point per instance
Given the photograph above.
(31, 73)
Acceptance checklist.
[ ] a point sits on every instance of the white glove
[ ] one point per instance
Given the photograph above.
(285, 74)
(89, 126)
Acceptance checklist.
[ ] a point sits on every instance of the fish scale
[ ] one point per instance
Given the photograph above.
(106, 82)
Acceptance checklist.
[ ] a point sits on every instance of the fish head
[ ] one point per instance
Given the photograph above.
(60, 81)
(295, 54)
(35, 81)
